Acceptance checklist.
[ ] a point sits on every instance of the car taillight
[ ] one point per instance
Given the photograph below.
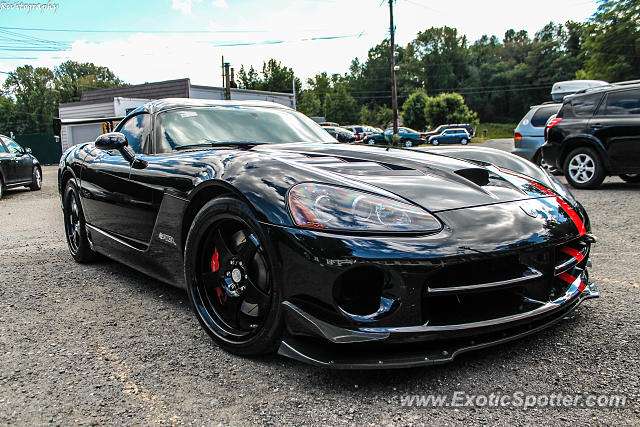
(517, 136)
(553, 122)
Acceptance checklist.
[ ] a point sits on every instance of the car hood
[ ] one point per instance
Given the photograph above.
(435, 181)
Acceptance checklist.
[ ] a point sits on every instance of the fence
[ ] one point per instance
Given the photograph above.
(43, 146)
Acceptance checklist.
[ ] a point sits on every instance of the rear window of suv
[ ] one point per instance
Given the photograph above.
(542, 114)
(584, 106)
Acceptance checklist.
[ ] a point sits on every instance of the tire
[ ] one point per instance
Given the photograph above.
(407, 143)
(435, 142)
(539, 160)
(631, 177)
(36, 179)
(230, 279)
(1, 188)
(583, 168)
(75, 226)
(464, 141)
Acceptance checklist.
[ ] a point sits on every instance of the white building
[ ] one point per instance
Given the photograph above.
(119, 101)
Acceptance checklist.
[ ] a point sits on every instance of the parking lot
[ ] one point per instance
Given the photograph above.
(104, 344)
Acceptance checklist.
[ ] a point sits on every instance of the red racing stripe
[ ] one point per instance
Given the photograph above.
(571, 280)
(572, 252)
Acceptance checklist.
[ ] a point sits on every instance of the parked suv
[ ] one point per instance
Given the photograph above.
(597, 133)
(528, 136)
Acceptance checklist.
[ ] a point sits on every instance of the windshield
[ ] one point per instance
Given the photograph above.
(211, 125)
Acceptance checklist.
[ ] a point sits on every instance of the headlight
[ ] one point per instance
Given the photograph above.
(336, 208)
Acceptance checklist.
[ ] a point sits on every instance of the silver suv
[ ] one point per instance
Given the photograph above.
(528, 136)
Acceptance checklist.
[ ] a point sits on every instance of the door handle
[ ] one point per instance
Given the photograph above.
(596, 126)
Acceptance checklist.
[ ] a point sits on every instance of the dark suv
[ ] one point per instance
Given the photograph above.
(596, 133)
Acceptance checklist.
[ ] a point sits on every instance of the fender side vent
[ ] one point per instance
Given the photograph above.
(476, 175)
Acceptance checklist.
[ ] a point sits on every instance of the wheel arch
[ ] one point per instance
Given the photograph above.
(583, 141)
(65, 176)
(200, 196)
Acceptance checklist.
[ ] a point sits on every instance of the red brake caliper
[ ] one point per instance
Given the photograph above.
(215, 266)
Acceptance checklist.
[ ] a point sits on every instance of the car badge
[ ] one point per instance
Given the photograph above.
(529, 210)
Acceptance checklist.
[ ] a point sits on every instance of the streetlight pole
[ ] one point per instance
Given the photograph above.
(394, 94)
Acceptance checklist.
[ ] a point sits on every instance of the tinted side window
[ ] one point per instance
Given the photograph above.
(136, 129)
(584, 106)
(623, 103)
(2, 149)
(541, 116)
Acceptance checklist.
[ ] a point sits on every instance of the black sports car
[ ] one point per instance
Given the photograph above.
(346, 256)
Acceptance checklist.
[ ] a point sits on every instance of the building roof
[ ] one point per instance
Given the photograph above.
(167, 89)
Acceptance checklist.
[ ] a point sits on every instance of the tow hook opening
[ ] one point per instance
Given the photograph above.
(358, 291)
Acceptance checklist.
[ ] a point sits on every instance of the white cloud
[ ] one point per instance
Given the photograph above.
(184, 6)
(222, 4)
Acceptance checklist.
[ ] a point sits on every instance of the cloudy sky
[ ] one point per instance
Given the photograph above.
(154, 40)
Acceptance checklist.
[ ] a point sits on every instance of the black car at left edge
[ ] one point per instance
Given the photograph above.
(18, 167)
(337, 255)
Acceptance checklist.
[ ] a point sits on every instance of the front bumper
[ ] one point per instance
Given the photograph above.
(350, 349)
(468, 286)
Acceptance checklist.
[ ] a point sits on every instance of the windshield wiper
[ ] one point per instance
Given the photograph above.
(239, 144)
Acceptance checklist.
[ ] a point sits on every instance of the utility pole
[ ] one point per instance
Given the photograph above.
(394, 94)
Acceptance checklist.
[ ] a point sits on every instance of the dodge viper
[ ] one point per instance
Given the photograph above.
(338, 255)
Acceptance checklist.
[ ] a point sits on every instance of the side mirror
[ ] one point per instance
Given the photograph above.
(28, 150)
(111, 141)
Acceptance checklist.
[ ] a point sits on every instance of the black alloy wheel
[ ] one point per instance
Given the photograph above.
(75, 226)
(230, 278)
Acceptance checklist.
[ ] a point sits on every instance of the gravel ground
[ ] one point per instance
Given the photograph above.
(103, 344)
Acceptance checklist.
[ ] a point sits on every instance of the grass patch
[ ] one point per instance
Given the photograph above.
(494, 130)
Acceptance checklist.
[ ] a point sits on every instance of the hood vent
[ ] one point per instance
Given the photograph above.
(478, 176)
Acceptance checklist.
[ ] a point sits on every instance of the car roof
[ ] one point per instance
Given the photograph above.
(631, 84)
(171, 103)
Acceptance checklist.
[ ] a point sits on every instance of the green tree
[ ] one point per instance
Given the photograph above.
(8, 115)
(72, 78)
(36, 98)
(248, 79)
(274, 77)
(340, 106)
(278, 78)
(309, 104)
(448, 108)
(612, 41)
(438, 58)
(413, 110)
(384, 116)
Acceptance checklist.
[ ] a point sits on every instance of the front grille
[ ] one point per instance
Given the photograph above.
(490, 287)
